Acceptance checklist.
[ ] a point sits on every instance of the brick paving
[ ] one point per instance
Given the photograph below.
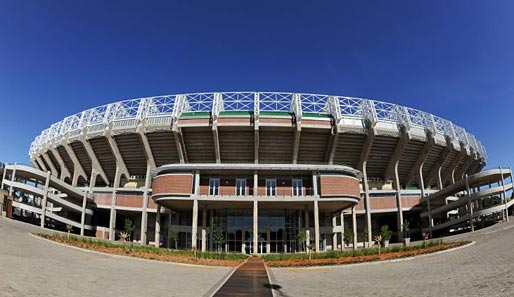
(31, 266)
(250, 279)
(483, 269)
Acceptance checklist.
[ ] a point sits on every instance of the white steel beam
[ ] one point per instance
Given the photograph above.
(420, 160)
(94, 161)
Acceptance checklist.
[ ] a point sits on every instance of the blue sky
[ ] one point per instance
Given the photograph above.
(451, 58)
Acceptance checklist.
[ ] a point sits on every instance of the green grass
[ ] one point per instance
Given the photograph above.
(350, 253)
(144, 248)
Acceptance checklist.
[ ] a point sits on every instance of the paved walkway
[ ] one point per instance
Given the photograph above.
(250, 279)
(31, 266)
(483, 269)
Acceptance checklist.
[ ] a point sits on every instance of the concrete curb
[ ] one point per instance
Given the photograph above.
(378, 262)
(129, 257)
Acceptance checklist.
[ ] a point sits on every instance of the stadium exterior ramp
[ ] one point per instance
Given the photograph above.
(462, 204)
(48, 197)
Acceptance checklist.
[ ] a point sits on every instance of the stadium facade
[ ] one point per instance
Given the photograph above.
(266, 169)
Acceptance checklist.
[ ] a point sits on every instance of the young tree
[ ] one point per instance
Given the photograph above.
(69, 228)
(301, 237)
(348, 236)
(217, 238)
(366, 233)
(378, 239)
(173, 234)
(128, 228)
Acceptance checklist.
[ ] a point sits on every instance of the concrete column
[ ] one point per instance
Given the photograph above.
(439, 178)
(158, 226)
(194, 225)
(12, 179)
(3, 178)
(268, 242)
(83, 213)
(470, 205)
(334, 235)
(354, 226)
(144, 213)
(255, 184)
(43, 202)
(307, 226)
(399, 213)
(422, 187)
(506, 214)
(211, 226)
(243, 242)
(255, 227)
(204, 230)
(342, 230)
(112, 219)
(316, 225)
(366, 201)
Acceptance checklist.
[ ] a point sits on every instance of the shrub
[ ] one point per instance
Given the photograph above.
(385, 232)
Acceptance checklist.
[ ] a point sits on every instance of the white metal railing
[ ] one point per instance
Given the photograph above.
(129, 113)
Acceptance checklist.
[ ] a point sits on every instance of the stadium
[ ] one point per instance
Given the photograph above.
(273, 172)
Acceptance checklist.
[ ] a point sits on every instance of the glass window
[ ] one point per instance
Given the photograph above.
(240, 187)
(214, 186)
(271, 187)
(297, 187)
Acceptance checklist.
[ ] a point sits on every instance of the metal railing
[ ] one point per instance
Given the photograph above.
(130, 113)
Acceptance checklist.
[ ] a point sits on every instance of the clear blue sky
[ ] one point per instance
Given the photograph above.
(451, 58)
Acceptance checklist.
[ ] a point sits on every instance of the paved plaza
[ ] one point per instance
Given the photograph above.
(483, 269)
(34, 267)
(31, 266)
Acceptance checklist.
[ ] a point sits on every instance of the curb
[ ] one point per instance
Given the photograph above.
(129, 257)
(378, 262)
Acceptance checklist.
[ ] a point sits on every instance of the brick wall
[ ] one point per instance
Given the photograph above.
(129, 200)
(339, 185)
(180, 184)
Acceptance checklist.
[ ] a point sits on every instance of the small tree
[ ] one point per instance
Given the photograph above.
(310, 247)
(301, 237)
(217, 238)
(128, 228)
(406, 229)
(378, 239)
(69, 228)
(348, 236)
(426, 236)
(173, 234)
(386, 233)
(365, 234)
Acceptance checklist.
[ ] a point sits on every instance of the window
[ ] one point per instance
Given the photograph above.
(240, 187)
(297, 187)
(214, 186)
(271, 187)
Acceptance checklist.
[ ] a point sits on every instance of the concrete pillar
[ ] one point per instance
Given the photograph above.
(439, 178)
(422, 187)
(255, 227)
(83, 213)
(342, 230)
(112, 219)
(212, 228)
(307, 226)
(506, 214)
(470, 205)
(354, 226)
(268, 242)
(43, 202)
(366, 201)
(158, 226)
(12, 179)
(316, 225)
(243, 241)
(334, 235)
(194, 225)
(204, 230)
(399, 213)
(144, 213)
